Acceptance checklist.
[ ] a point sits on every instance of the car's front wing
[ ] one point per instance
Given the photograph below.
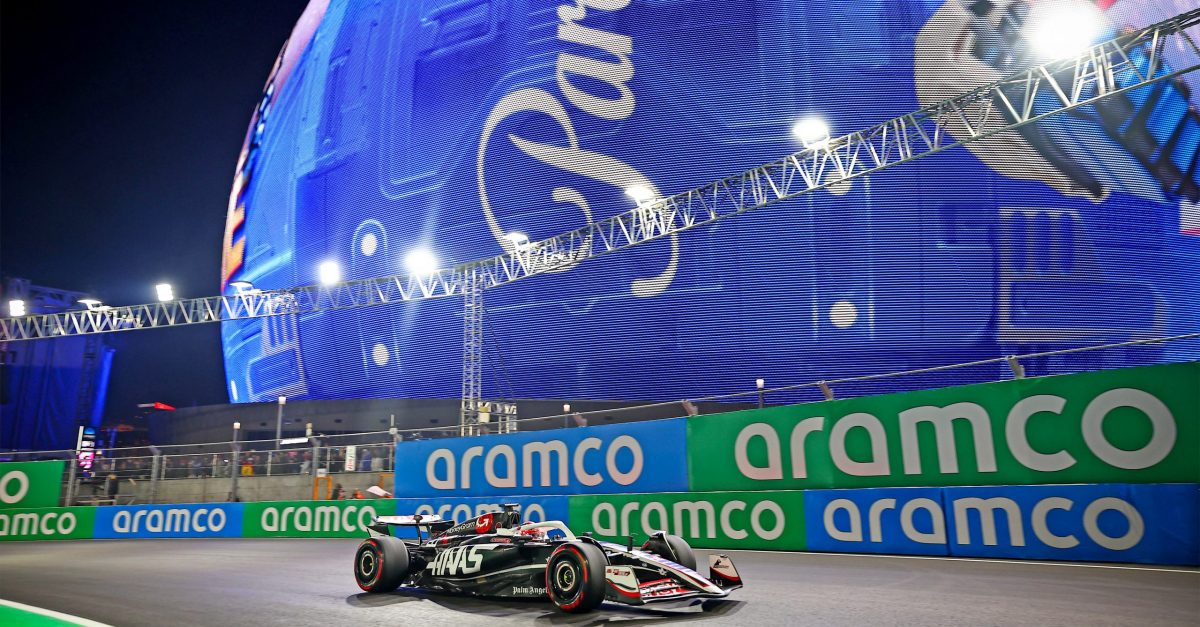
(637, 578)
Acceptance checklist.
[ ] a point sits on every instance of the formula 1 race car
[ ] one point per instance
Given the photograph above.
(495, 555)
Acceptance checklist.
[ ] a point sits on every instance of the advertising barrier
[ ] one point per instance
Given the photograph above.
(749, 520)
(1132, 425)
(313, 519)
(50, 523)
(1143, 523)
(205, 520)
(908, 521)
(1151, 524)
(31, 484)
(641, 457)
(1101, 466)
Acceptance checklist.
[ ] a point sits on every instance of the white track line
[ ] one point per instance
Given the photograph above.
(964, 559)
(77, 620)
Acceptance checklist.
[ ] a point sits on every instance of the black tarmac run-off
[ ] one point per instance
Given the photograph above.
(310, 582)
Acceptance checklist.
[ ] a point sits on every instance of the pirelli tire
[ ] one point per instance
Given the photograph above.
(673, 548)
(380, 564)
(575, 577)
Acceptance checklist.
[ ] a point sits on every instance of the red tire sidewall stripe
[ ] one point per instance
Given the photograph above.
(582, 567)
(378, 567)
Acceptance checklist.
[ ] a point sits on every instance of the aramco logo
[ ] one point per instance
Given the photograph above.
(14, 485)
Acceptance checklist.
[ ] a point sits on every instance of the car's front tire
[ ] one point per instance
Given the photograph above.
(380, 564)
(575, 577)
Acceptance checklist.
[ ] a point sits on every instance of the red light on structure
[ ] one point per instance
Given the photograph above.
(163, 406)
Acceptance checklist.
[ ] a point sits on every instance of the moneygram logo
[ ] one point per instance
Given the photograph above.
(596, 81)
(37, 524)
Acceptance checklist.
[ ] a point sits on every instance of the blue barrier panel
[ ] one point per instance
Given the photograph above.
(623, 458)
(532, 508)
(203, 520)
(876, 520)
(1145, 523)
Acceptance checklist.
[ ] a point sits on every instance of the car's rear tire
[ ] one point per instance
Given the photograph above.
(380, 564)
(673, 548)
(575, 577)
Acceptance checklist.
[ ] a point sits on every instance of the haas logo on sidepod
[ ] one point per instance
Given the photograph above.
(460, 560)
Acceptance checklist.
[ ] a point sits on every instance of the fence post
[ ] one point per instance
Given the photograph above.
(1017, 369)
(391, 458)
(826, 390)
(70, 495)
(155, 471)
(235, 469)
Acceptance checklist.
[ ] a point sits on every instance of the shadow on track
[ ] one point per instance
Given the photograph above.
(543, 612)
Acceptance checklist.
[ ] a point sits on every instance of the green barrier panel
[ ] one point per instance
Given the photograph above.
(51, 523)
(30, 484)
(746, 520)
(1118, 426)
(313, 519)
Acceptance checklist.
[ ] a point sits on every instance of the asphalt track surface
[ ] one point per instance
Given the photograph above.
(309, 582)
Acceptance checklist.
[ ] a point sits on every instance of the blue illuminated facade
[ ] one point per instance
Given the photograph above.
(445, 124)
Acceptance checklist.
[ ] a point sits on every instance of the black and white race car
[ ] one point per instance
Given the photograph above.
(495, 555)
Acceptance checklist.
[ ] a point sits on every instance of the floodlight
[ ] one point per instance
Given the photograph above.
(91, 303)
(812, 132)
(329, 272)
(165, 293)
(1063, 28)
(16, 308)
(519, 240)
(640, 194)
(421, 261)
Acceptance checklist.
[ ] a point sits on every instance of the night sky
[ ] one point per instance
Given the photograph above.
(120, 126)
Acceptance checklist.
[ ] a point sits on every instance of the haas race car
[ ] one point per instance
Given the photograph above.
(495, 555)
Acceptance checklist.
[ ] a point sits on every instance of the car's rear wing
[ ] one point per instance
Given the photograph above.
(432, 523)
(411, 520)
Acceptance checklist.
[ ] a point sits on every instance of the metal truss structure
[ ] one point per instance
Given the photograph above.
(1130, 61)
(472, 381)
